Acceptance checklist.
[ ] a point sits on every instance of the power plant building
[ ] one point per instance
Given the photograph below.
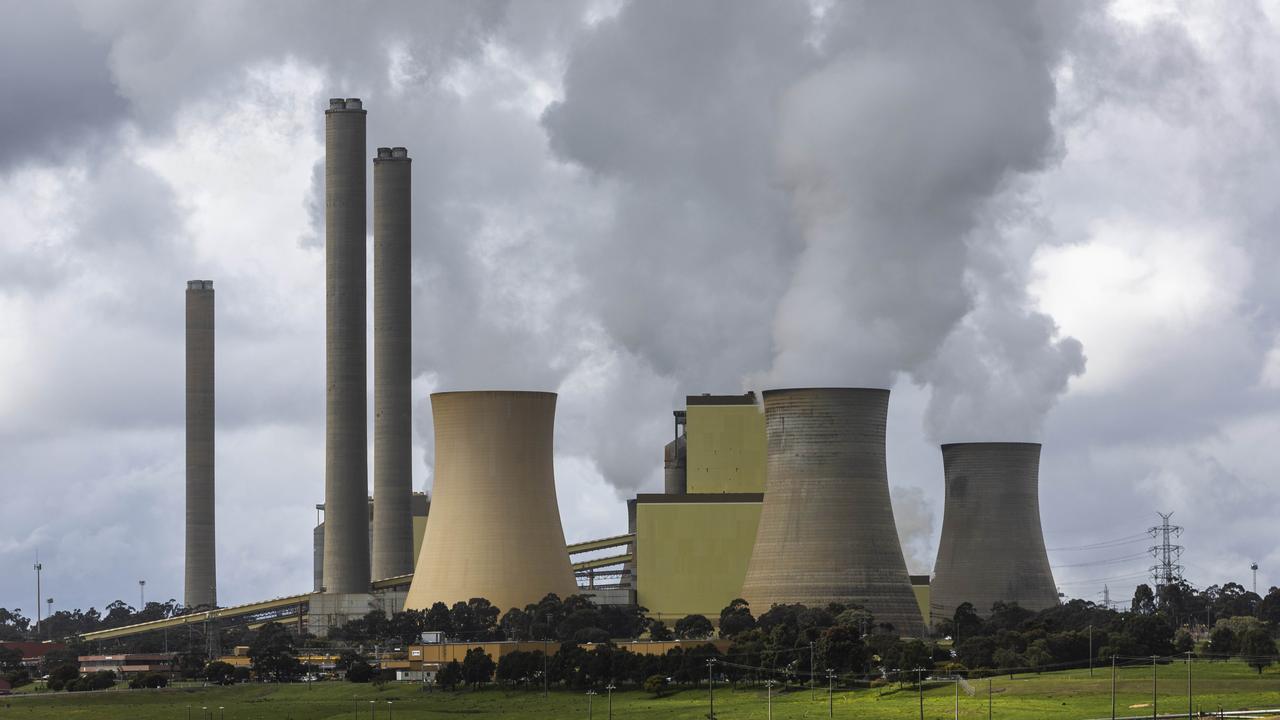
(495, 529)
(200, 567)
(992, 546)
(827, 532)
(692, 546)
(346, 470)
(419, 509)
(392, 537)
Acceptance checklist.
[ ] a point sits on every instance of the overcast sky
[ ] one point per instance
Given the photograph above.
(1052, 222)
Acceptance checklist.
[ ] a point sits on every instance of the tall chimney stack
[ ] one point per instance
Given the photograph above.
(346, 469)
(201, 576)
(392, 401)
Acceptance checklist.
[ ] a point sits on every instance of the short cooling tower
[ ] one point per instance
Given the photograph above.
(494, 530)
(827, 533)
(992, 547)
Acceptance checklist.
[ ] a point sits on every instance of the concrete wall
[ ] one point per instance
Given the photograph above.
(827, 532)
(726, 445)
(494, 530)
(346, 469)
(392, 347)
(992, 546)
(693, 552)
(200, 571)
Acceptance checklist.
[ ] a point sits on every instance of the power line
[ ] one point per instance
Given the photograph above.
(1126, 540)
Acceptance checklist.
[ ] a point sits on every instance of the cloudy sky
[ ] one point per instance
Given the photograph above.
(1050, 222)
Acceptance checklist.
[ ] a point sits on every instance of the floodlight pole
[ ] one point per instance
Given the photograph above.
(1188, 684)
(830, 703)
(1113, 687)
(813, 692)
(711, 692)
(1154, 714)
(1090, 651)
(768, 698)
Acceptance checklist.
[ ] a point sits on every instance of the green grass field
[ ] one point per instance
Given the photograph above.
(1070, 694)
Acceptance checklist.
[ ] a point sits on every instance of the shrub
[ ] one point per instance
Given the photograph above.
(655, 684)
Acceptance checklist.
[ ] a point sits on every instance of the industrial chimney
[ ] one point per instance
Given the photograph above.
(827, 533)
(392, 401)
(201, 576)
(346, 478)
(494, 530)
(992, 547)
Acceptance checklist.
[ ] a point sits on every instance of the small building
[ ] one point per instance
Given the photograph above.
(32, 652)
(129, 663)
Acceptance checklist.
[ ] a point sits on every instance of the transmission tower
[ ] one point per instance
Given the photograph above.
(1167, 569)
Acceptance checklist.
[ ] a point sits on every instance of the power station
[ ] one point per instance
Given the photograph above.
(827, 532)
(778, 497)
(494, 530)
(201, 566)
(992, 547)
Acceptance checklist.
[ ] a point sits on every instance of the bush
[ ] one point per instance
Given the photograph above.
(241, 674)
(655, 684)
(878, 682)
(149, 680)
(359, 671)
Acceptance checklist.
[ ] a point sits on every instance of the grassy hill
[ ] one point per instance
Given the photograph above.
(1068, 694)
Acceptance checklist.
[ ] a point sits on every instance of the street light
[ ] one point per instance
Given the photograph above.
(1154, 714)
(389, 709)
(711, 690)
(768, 697)
(590, 694)
(610, 688)
(831, 676)
(373, 708)
(222, 713)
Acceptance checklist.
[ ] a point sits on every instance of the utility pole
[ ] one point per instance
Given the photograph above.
(1154, 714)
(813, 692)
(1188, 685)
(988, 698)
(590, 694)
(920, 689)
(39, 596)
(1091, 651)
(711, 689)
(1113, 687)
(544, 655)
(957, 715)
(831, 708)
(768, 698)
(610, 688)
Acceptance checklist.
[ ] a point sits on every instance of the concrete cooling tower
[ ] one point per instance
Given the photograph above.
(201, 571)
(494, 529)
(827, 532)
(992, 547)
(346, 467)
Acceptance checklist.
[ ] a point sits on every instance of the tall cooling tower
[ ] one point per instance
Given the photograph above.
(992, 547)
(392, 401)
(826, 530)
(494, 529)
(346, 469)
(201, 571)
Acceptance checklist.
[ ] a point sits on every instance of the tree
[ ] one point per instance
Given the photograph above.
(1258, 648)
(272, 653)
(1037, 655)
(658, 630)
(477, 667)
(359, 671)
(966, 622)
(694, 627)
(1222, 640)
(219, 673)
(1144, 601)
(1007, 660)
(736, 618)
(450, 675)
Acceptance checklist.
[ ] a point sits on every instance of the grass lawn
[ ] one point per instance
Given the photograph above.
(1069, 694)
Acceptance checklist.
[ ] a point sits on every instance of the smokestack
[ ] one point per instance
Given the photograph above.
(201, 575)
(346, 479)
(992, 547)
(494, 530)
(827, 533)
(392, 400)
(675, 466)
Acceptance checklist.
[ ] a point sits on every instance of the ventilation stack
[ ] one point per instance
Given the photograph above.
(392, 377)
(827, 533)
(346, 470)
(992, 546)
(201, 571)
(675, 473)
(494, 530)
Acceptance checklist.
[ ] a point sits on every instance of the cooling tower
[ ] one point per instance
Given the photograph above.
(201, 575)
(826, 530)
(392, 401)
(675, 471)
(346, 479)
(992, 547)
(494, 529)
